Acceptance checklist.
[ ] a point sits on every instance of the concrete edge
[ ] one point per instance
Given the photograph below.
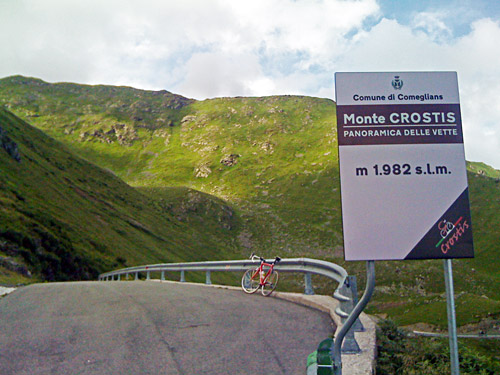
(5, 290)
(352, 364)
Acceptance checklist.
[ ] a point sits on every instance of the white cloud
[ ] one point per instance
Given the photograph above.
(433, 25)
(278, 40)
(212, 74)
(390, 46)
(480, 91)
(121, 42)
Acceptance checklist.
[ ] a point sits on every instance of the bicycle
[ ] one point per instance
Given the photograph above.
(259, 277)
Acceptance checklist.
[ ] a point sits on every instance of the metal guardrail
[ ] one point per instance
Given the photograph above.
(480, 336)
(303, 265)
(345, 293)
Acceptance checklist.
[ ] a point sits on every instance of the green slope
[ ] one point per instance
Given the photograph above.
(270, 158)
(483, 169)
(62, 218)
(273, 162)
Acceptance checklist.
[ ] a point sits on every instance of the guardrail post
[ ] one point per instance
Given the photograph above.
(358, 326)
(208, 281)
(119, 277)
(148, 275)
(162, 276)
(340, 334)
(126, 276)
(136, 276)
(350, 345)
(183, 276)
(308, 285)
(345, 295)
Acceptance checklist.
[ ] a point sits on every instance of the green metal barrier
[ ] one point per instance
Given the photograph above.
(320, 362)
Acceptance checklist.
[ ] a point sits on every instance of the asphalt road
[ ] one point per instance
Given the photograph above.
(153, 328)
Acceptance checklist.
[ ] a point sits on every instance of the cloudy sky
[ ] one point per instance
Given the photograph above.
(211, 48)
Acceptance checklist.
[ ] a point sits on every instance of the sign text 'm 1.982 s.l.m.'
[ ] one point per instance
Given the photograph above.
(402, 166)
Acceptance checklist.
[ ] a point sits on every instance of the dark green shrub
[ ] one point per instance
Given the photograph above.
(401, 354)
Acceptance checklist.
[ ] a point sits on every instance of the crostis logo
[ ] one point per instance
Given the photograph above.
(451, 233)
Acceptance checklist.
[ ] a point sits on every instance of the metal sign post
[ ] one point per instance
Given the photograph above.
(452, 323)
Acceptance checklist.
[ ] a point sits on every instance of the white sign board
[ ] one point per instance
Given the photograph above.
(402, 166)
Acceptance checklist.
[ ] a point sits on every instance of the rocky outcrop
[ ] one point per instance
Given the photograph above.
(202, 171)
(121, 133)
(230, 160)
(9, 146)
(12, 265)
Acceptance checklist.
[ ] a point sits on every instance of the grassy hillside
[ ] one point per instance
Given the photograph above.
(270, 161)
(483, 170)
(62, 218)
(270, 158)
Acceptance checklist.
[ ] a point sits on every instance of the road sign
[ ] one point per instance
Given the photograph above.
(402, 166)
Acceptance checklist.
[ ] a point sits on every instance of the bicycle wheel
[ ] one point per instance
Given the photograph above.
(270, 284)
(250, 281)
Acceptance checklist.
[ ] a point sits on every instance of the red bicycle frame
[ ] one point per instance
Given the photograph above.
(263, 275)
(260, 270)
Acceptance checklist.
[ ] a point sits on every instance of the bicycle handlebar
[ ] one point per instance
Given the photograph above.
(254, 257)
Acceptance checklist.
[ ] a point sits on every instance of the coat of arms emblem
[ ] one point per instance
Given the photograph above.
(397, 83)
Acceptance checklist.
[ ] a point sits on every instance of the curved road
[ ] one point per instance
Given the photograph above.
(153, 328)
